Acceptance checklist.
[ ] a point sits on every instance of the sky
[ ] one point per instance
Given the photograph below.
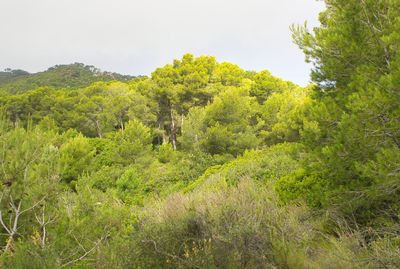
(135, 37)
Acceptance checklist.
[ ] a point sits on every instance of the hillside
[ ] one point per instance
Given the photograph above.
(8, 75)
(70, 76)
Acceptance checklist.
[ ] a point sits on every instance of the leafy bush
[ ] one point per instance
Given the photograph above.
(239, 227)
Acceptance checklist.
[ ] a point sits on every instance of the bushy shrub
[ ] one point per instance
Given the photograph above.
(240, 227)
(264, 166)
(166, 153)
(30, 254)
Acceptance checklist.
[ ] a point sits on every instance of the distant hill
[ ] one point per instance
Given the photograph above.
(69, 76)
(8, 75)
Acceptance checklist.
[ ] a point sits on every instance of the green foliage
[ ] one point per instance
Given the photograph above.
(353, 124)
(225, 124)
(132, 145)
(205, 165)
(71, 76)
(9, 74)
(179, 87)
(30, 180)
(193, 128)
(76, 157)
(238, 227)
(85, 219)
(281, 116)
(31, 255)
(94, 111)
(175, 175)
(262, 166)
(105, 177)
(166, 153)
(130, 187)
(303, 185)
(228, 74)
(265, 84)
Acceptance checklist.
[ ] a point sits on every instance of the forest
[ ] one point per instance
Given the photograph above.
(206, 165)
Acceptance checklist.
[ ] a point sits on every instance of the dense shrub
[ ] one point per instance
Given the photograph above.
(239, 227)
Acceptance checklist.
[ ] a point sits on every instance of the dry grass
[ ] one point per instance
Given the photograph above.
(245, 227)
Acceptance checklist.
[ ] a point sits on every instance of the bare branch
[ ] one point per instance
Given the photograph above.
(2, 161)
(87, 252)
(35, 205)
(2, 223)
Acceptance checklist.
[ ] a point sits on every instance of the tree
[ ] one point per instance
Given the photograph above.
(95, 106)
(223, 127)
(132, 145)
(265, 84)
(355, 44)
(178, 87)
(76, 156)
(352, 130)
(194, 128)
(281, 116)
(29, 168)
(228, 74)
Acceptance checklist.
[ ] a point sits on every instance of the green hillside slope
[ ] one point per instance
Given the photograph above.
(71, 76)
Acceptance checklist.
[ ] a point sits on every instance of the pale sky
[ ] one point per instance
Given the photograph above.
(135, 37)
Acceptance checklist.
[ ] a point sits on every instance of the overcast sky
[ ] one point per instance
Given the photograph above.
(135, 37)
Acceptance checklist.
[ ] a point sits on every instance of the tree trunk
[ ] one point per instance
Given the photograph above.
(164, 137)
(173, 131)
(158, 133)
(98, 128)
(182, 122)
